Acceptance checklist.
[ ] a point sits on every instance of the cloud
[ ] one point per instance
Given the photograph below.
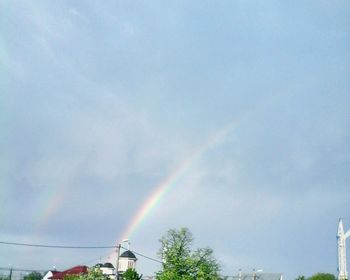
(103, 102)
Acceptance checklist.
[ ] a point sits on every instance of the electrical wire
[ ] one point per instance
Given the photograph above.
(95, 259)
(56, 246)
(144, 256)
(22, 269)
(76, 247)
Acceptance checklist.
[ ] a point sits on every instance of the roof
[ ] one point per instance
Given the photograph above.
(128, 254)
(52, 272)
(109, 265)
(80, 269)
(261, 276)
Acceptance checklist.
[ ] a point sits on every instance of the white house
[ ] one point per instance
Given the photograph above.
(49, 274)
(107, 269)
(127, 260)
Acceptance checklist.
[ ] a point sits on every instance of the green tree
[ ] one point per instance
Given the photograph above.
(71, 277)
(204, 265)
(4, 277)
(181, 263)
(300, 277)
(323, 276)
(131, 274)
(93, 274)
(33, 276)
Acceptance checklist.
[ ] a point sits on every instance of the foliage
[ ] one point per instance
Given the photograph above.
(33, 276)
(181, 263)
(4, 277)
(71, 277)
(131, 274)
(93, 274)
(322, 276)
(300, 277)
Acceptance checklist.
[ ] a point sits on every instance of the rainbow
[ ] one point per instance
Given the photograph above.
(170, 181)
(54, 202)
(56, 195)
(56, 198)
(4, 164)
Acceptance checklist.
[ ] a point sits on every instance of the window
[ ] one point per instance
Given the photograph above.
(130, 264)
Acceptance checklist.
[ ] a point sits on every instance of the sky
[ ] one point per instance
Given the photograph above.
(244, 105)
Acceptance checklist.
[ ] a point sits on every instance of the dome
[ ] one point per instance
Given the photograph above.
(128, 254)
(109, 265)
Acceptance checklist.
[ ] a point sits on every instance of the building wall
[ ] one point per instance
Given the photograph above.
(125, 263)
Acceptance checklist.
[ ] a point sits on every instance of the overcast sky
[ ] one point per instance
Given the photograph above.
(102, 100)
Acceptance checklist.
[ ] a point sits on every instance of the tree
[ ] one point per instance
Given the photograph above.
(93, 274)
(181, 263)
(323, 276)
(33, 276)
(71, 277)
(131, 274)
(300, 277)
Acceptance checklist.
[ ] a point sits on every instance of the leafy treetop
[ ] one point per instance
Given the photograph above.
(323, 276)
(131, 274)
(33, 276)
(93, 274)
(181, 263)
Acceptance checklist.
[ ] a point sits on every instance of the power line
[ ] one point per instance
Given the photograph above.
(95, 259)
(22, 269)
(76, 247)
(142, 255)
(56, 246)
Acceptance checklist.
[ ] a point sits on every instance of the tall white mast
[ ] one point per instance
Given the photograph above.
(342, 236)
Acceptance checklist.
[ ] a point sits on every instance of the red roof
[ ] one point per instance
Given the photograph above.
(80, 269)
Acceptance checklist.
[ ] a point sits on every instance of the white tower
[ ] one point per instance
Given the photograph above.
(343, 274)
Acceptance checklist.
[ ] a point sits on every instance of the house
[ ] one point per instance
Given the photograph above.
(49, 274)
(126, 260)
(260, 276)
(107, 269)
(77, 270)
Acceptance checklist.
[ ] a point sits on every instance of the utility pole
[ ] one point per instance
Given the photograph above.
(117, 262)
(11, 273)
